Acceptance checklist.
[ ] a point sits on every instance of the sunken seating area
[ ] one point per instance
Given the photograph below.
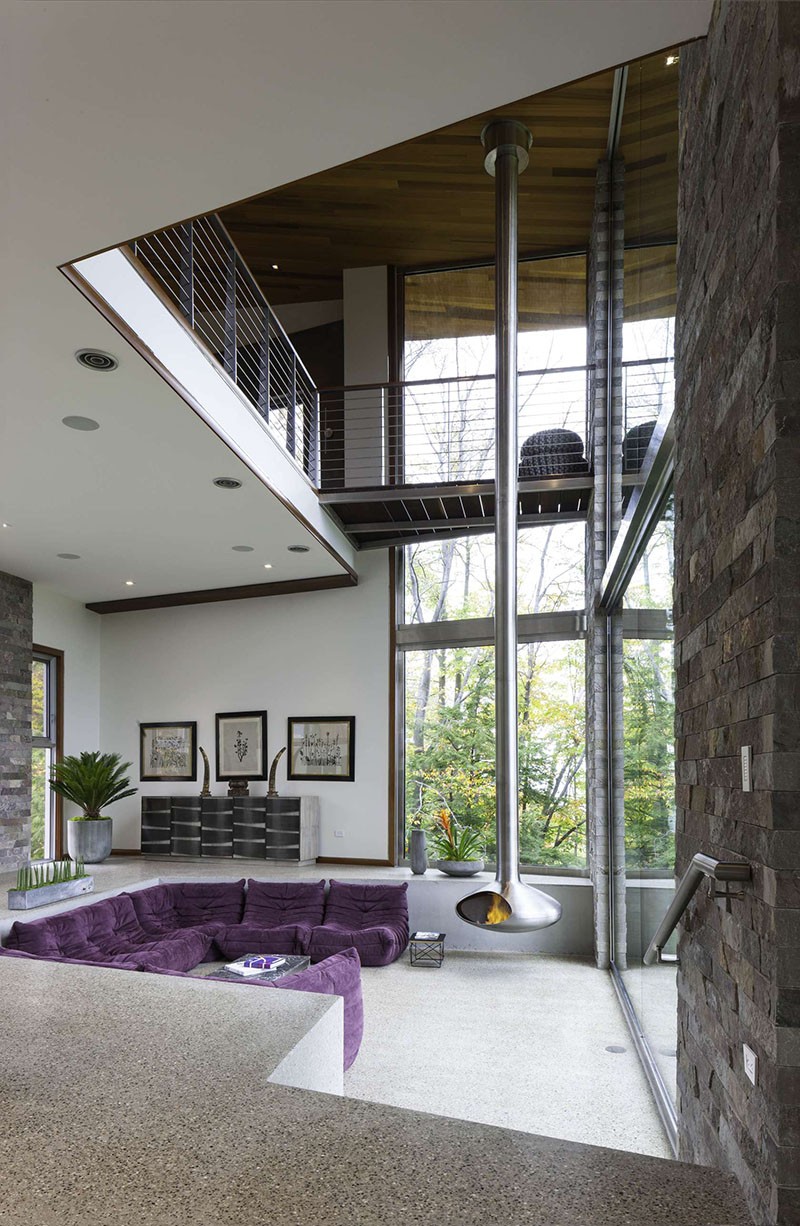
(177, 925)
(171, 928)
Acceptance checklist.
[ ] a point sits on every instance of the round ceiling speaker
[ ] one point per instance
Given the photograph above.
(95, 359)
(80, 423)
(298, 548)
(227, 483)
(242, 548)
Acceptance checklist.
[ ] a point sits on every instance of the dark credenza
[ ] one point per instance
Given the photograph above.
(281, 829)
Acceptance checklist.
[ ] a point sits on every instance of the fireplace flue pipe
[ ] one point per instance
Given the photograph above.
(507, 904)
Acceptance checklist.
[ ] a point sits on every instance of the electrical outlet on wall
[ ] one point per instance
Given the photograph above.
(750, 1064)
(338, 834)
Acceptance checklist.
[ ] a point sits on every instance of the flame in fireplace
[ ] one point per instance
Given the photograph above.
(498, 911)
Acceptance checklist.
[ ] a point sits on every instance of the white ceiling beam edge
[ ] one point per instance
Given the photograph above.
(115, 279)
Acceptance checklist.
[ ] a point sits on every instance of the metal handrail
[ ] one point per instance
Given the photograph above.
(701, 866)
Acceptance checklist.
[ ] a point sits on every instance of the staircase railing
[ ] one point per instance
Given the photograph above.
(197, 265)
(701, 866)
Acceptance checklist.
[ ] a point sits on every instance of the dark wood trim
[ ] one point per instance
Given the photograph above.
(127, 333)
(353, 860)
(58, 656)
(248, 591)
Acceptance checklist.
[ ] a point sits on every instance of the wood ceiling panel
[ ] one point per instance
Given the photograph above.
(429, 201)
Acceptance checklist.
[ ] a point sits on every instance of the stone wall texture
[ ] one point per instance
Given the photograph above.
(604, 284)
(737, 615)
(16, 630)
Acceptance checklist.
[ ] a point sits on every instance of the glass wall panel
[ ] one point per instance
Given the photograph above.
(649, 801)
(450, 745)
(452, 580)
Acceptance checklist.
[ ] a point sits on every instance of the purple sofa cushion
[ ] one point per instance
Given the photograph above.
(251, 938)
(109, 932)
(109, 926)
(376, 946)
(371, 917)
(337, 976)
(271, 904)
(367, 905)
(188, 904)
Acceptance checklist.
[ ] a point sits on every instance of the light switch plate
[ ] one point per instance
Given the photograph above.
(750, 1064)
(747, 768)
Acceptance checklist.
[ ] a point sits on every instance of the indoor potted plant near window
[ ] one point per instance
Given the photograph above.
(91, 781)
(460, 851)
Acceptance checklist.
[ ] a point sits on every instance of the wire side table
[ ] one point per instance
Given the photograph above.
(426, 948)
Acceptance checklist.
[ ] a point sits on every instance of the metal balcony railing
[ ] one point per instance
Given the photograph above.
(648, 387)
(442, 431)
(199, 269)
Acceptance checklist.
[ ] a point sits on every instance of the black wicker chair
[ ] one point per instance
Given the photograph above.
(553, 453)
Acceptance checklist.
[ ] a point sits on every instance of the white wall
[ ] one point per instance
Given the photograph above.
(318, 653)
(65, 624)
(366, 360)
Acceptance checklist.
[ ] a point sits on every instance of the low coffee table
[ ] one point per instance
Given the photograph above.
(292, 964)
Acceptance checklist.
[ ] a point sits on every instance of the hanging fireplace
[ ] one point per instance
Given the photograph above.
(507, 904)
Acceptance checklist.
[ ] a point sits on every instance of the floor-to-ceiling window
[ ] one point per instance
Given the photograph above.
(45, 729)
(444, 633)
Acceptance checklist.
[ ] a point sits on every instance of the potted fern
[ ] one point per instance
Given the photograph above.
(460, 851)
(92, 781)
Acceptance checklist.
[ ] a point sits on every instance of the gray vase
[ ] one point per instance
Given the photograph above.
(90, 841)
(418, 852)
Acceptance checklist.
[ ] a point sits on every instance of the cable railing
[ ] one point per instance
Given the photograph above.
(648, 388)
(442, 431)
(198, 267)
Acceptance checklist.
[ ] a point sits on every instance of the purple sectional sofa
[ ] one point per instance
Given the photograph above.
(169, 929)
(371, 918)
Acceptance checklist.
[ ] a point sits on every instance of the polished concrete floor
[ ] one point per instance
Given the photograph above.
(447, 1040)
(527, 1042)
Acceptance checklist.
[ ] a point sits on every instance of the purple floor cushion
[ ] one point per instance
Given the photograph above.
(339, 975)
(252, 938)
(271, 904)
(109, 932)
(188, 904)
(372, 918)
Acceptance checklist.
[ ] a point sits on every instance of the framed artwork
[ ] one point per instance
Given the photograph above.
(322, 747)
(241, 745)
(168, 751)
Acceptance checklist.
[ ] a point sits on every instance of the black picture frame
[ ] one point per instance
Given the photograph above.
(148, 751)
(250, 770)
(320, 726)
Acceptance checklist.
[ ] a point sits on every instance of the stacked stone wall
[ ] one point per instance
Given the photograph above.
(16, 623)
(737, 614)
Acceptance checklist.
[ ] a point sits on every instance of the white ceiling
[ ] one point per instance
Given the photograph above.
(122, 117)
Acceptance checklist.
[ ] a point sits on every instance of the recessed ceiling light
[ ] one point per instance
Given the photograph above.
(7, 525)
(242, 548)
(298, 548)
(95, 359)
(81, 423)
(129, 583)
(267, 566)
(670, 60)
(227, 483)
(275, 266)
(71, 557)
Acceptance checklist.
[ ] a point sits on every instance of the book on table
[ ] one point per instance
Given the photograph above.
(255, 964)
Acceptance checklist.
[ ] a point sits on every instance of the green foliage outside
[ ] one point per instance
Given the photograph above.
(39, 799)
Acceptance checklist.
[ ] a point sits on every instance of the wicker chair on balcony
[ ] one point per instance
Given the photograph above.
(553, 453)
